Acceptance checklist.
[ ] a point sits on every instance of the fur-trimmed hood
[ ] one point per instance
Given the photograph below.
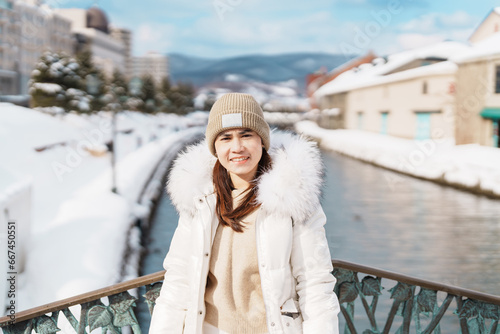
(291, 188)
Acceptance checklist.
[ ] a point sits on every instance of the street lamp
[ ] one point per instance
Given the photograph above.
(93, 83)
(118, 99)
(113, 107)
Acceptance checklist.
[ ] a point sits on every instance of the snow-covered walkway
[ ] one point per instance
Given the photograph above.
(472, 167)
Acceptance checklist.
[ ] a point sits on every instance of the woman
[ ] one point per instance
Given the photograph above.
(249, 254)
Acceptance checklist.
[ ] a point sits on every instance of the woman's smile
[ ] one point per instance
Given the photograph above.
(242, 159)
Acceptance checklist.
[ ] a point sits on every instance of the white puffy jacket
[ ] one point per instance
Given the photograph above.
(293, 254)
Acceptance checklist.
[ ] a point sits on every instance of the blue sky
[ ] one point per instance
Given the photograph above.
(223, 28)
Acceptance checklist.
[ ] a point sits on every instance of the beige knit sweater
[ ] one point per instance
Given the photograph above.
(233, 296)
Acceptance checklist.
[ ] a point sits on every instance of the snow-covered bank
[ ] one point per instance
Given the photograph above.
(472, 167)
(73, 228)
(86, 241)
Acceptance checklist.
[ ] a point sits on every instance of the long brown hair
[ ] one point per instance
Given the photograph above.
(223, 187)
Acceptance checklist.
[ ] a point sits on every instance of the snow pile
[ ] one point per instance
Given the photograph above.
(78, 229)
(85, 243)
(472, 166)
(23, 130)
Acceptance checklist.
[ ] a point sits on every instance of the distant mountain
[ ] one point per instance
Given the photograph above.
(251, 68)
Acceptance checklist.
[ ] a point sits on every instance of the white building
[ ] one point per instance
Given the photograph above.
(26, 31)
(478, 85)
(489, 26)
(125, 36)
(153, 64)
(408, 94)
(91, 30)
(41, 30)
(9, 34)
(446, 90)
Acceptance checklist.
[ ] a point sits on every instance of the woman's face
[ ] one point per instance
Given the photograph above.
(239, 151)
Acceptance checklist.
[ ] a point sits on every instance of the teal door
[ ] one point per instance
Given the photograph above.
(383, 126)
(423, 126)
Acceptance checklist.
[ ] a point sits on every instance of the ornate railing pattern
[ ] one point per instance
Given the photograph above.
(413, 300)
(93, 312)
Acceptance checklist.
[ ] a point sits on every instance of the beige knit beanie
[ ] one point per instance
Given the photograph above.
(236, 110)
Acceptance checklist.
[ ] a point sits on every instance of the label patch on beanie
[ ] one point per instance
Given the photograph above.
(232, 120)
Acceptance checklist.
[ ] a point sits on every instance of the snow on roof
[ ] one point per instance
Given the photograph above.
(485, 48)
(348, 63)
(443, 50)
(354, 81)
(370, 75)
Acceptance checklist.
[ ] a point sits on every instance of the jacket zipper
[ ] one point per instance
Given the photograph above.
(207, 235)
(261, 267)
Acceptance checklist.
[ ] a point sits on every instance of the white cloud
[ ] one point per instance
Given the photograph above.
(434, 22)
(260, 26)
(458, 19)
(460, 34)
(242, 33)
(153, 37)
(423, 24)
(436, 27)
(411, 41)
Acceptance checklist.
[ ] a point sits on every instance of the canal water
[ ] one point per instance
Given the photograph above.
(390, 221)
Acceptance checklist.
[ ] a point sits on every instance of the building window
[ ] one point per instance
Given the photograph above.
(383, 126)
(424, 87)
(360, 120)
(497, 80)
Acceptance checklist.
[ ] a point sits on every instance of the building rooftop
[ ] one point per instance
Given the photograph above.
(97, 19)
(389, 69)
(484, 49)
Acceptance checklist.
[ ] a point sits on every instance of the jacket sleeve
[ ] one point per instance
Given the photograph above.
(171, 305)
(312, 267)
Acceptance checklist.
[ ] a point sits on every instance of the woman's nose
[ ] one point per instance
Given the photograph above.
(237, 145)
